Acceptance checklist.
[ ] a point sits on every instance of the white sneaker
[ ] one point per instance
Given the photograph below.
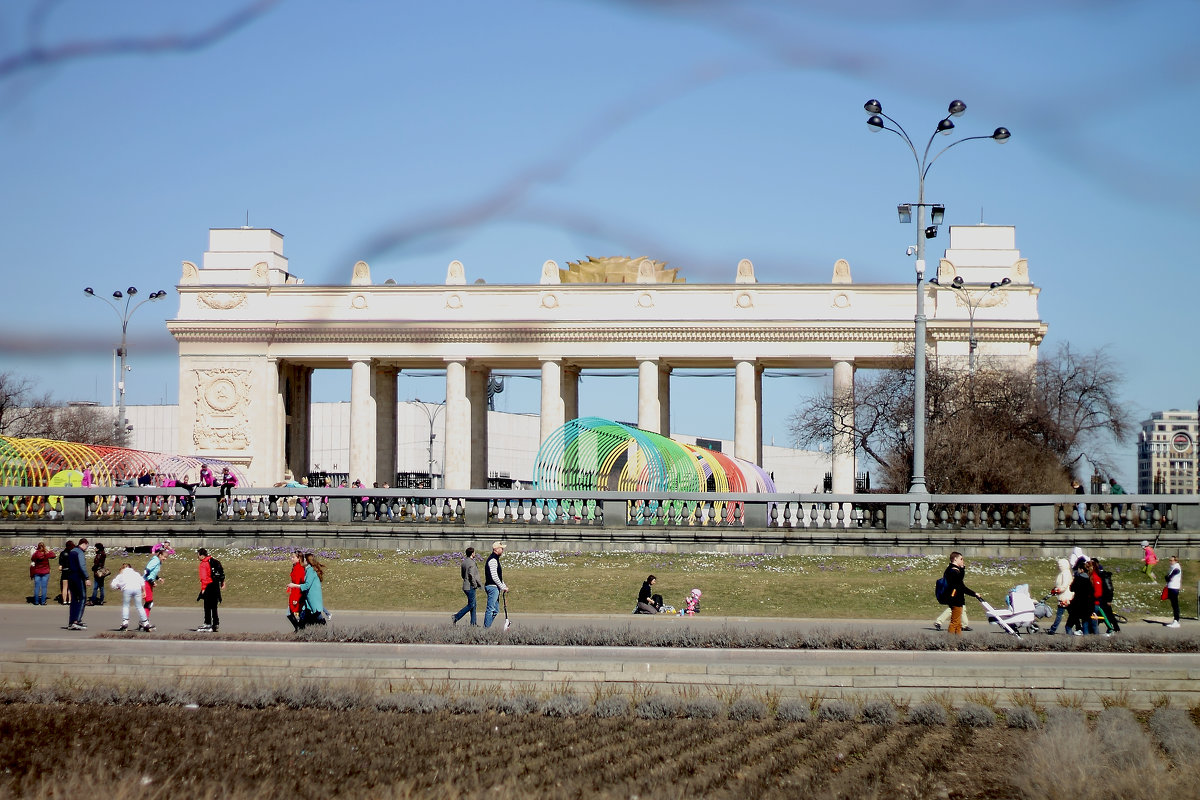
(1077, 633)
(204, 629)
(1174, 624)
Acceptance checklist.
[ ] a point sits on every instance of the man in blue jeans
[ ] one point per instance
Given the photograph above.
(77, 582)
(493, 583)
(470, 579)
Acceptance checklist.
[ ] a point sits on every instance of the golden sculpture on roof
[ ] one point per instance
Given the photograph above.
(619, 269)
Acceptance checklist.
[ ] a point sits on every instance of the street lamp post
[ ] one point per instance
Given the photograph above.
(123, 313)
(973, 301)
(432, 417)
(878, 121)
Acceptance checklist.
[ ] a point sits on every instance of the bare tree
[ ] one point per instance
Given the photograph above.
(998, 430)
(19, 404)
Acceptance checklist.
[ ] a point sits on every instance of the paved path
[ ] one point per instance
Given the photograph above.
(21, 622)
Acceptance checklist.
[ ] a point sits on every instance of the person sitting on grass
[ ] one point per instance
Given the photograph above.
(648, 603)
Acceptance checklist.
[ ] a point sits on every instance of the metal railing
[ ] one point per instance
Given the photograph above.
(507, 508)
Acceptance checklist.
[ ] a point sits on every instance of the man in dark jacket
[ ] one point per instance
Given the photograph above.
(470, 582)
(77, 583)
(1083, 604)
(955, 574)
(493, 583)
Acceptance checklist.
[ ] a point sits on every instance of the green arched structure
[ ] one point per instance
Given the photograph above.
(596, 454)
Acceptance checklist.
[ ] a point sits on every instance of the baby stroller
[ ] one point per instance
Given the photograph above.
(1022, 612)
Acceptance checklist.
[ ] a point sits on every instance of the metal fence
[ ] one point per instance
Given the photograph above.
(507, 508)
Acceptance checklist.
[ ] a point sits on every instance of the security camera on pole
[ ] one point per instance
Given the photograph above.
(121, 425)
(876, 122)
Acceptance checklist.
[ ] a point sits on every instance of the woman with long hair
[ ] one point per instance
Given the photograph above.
(64, 569)
(99, 573)
(39, 570)
(312, 602)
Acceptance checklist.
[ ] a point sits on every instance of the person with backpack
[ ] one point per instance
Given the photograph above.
(1082, 608)
(212, 581)
(944, 618)
(1102, 583)
(957, 590)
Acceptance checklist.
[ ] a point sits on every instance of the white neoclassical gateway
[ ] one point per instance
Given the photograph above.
(251, 333)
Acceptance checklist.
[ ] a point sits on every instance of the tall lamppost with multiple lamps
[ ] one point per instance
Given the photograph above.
(432, 416)
(123, 312)
(878, 121)
(973, 296)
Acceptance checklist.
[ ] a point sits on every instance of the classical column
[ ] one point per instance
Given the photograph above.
(456, 470)
(649, 399)
(383, 390)
(296, 402)
(664, 400)
(747, 411)
(362, 423)
(553, 413)
(477, 380)
(570, 393)
(843, 427)
(271, 468)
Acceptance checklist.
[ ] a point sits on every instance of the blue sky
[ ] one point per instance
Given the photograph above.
(507, 133)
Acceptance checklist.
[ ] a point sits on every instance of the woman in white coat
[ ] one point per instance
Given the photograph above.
(1062, 592)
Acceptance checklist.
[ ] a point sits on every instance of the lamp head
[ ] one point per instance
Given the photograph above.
(957, 282)
(904, 210)
(117, 294)
(132, 291)
(873, 107)
(1001, 135)
(931, 232)
(957, 107)
(875, 122)
(945, 126)
(935, 281)
(998, 284)
(88, 290)
(937, 215)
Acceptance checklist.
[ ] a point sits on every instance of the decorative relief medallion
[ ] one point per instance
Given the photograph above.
(222, 409)
(358, 301)
(454, 301)
(223, 301)
(645, 300)
(744, 300)
(841, 300)
(549, 300)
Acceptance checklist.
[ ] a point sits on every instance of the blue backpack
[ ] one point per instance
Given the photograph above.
(941, 591)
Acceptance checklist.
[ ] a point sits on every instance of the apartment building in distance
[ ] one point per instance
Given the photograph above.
(1167, 453)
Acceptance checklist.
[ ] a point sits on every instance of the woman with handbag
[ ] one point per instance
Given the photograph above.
(99, 573)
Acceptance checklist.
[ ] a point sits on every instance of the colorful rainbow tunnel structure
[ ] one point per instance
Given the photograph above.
(37, 462)
(595, 454)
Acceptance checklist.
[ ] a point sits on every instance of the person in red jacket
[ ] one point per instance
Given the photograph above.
(39, 570)
(210, 593)
(294, 580)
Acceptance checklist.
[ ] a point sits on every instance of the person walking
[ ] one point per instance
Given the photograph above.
(295, 580)
(1061, 591)
(39, 570)
(1174, 584)
(493, 583)
(957, 589)
(1102, 580)
(943, 619)
(77, 579)
(1149, 559)
(99, 573)
(210, 592)
(131, 585)
(1083, 602)
(312, 602)
(470, 583)
(645, 601)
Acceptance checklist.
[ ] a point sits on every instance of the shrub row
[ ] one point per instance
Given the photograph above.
(570, 704)
(725, 638)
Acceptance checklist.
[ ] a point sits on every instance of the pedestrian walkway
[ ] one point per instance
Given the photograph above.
(33, 646)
